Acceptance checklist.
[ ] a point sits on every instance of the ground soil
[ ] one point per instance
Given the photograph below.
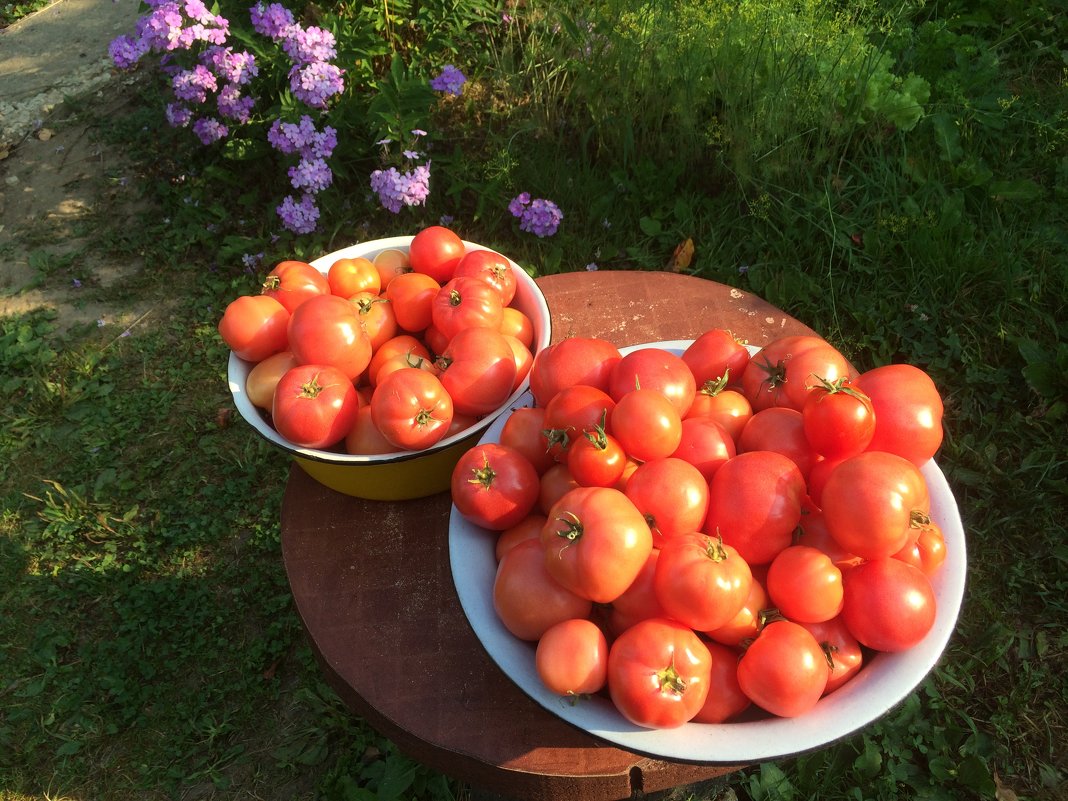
(54, 173)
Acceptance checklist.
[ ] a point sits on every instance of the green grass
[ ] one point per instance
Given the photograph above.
(148, 643)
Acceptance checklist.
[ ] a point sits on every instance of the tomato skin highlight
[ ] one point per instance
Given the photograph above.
(658, 673)
(326, 329)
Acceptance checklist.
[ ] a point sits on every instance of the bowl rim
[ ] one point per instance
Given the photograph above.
(237, 369)
(896, 675)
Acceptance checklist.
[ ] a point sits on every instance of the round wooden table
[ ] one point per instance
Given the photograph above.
(372, 585)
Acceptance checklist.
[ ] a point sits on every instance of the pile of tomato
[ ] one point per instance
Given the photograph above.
(386, 354)
(708, 534)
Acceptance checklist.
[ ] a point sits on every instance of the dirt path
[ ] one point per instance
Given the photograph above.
(53, 174)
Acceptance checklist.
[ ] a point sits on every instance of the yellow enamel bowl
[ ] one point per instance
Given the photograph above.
(405, 474)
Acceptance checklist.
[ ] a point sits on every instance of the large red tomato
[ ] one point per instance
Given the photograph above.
(706, 445)
(595, 542)
(254, 327)
(293, 282)
(412, 296)
(889, 605)
(908, 411)
(715, 354)
(576, 360)
(326, 329)
(701, 582)
(782, 372)
(572, 411)
(872, 502)
(655, 369)
(658, 673)
(349, 276)
(522, 431)
(805, 585)
(572, 658)
(673, 496)
(491, 267)
(754, 503)
(782, 430)
(784, 671)
(638, 601)
(725, 697)
(478, 370)
(844, 655)
(411, 408)
(314, 405)
(647, 424)
(435, 251)
(527, 599)
(494, 486)
(466, 303)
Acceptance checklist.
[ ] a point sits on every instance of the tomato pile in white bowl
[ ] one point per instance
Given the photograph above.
(707, 552)
(390, 352)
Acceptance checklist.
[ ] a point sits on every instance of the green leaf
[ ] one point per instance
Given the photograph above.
(947, 136)
(650, 226)
(1023, 190)
(870, 761)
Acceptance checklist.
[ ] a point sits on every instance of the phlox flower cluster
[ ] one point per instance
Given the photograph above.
(396, 189)
(313, 79)
(310, 175)
(220, 72)
(450, 81)
(538, 216)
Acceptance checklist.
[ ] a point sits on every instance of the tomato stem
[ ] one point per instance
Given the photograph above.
(484, 475)
(572, 527)
(670, 680)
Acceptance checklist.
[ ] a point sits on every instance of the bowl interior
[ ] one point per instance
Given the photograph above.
(882, 683)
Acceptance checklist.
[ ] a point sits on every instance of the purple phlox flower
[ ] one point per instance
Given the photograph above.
(311, 175)
(411, 154)
(450, 81)
(539, 216)
(125, 51)
(302, 137)
(506, 18)
(233, 105)
(251, 259)
(519, 203)
(197, 11)
(161, 30)
(100, 323)
(76, 283)
(125, 333)
(591, 267)
(193, 85)
(743, 269)
(383, 142)
(271, 20)
(315, 83)
(307, 45)
(204, 33)
(239, 68)
(418, 132)
(396, 189)
(178, 115)
(446, 219)
(209, 130)
(300, 216)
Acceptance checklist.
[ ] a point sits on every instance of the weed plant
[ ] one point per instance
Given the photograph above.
(895, 175)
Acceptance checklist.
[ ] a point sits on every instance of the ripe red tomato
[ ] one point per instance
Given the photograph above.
(325, 329)
(491, 267)
(435, 251)
(576, 360)
(654, 369)
(838, 418)
(264, 377)
(706, 445)
(872, 502)
(814, 533)
(556, 482)
(390, 263)
(908, 411)
(595, 542)
(478, 370)
(658, 673)
(782, 372)
(782, 430)
(596, 459)
(254, 327)
(400, 345)
(745, 625)
(346, 277)
(572, 658)
(672, 495)
(805, 585)
(701, 582)
(412, 296)
(494, 486)
(572, 411)
(844, 654)
(638, 601)
(522, 430)
(889, 605)
(754, 503)
(515, 323)
(466, 303)
(725, 697)
(527, 599)
(524, 359)
(376, 317)
(529, 528)
(411, 408)
(928, 551)
(727, 407)
(784, 671)
(716, 354)
(293, 282)
(647, 424)
(364, 438)
(314, 405)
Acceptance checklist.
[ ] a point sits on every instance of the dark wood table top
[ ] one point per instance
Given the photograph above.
(372, 584)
